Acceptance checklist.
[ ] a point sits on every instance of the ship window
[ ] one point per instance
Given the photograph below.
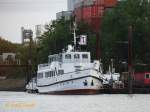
(147, 76)
(84, 56)
(68, 56)
(40, 75)
(47, 74)
(60, 72)
(76, 56)
(53, 72)
(50, 73)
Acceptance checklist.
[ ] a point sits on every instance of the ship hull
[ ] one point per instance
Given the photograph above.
(73, 87)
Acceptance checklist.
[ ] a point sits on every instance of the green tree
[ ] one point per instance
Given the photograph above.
(115, 29)
(85, 29)
(56, 38)
(59, 35)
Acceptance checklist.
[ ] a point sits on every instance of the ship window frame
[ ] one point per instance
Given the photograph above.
(47, 74)
(83, 56)
(50, 73)
(60, 72)
(68, 56)
(76, 56)
(53, 72)
(40, 75)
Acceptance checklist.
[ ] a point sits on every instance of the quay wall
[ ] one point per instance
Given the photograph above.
(12, 84)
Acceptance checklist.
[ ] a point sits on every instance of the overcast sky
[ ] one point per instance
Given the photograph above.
(27, 13)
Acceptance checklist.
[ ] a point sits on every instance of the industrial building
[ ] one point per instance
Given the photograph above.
(91, 12)
(64, 14)
(71, 4)
(26, 35)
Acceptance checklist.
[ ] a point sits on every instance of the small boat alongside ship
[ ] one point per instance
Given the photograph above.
(70, 72)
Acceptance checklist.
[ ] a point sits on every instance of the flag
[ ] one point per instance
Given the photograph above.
(83, 40)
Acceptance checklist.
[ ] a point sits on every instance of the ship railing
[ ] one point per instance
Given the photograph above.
(43, 65)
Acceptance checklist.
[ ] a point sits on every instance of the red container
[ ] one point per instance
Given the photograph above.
(106, 3)
(110, 3)
(93, 14)
(142, 79)
(147, 78)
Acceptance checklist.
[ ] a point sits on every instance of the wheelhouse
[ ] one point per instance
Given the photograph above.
(71, 57)
(55, 57)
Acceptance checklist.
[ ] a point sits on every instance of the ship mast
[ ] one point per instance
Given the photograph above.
(82, 39)
(74, 34)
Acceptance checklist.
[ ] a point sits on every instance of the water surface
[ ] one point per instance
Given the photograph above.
(24, 102)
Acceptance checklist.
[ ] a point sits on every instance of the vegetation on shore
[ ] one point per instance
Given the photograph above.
(6, 46)
(115, 31)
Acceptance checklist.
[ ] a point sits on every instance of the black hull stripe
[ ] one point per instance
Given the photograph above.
(74, 92)
(70, 80)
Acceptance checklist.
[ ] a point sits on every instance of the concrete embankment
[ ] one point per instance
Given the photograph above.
(12, 84)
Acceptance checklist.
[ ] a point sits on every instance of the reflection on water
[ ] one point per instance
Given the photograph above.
(24, 102)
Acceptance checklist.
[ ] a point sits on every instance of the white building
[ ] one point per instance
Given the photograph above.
(7, 56)
(71, 4)
(39, 30)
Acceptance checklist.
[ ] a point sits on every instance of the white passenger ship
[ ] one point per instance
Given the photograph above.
(70, 72)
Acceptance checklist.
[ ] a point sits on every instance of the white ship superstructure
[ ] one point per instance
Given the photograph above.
(69, 72)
